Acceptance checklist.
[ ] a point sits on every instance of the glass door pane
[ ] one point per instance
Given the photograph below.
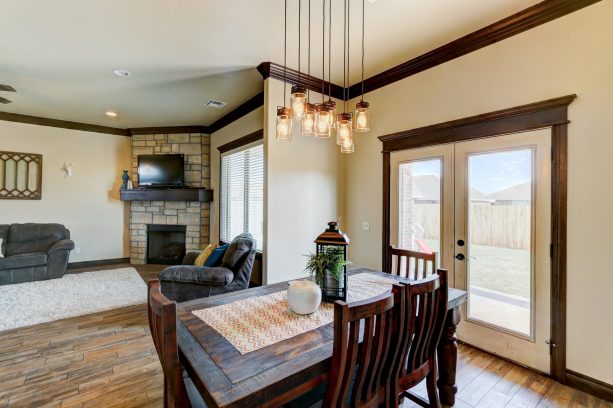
(499, 251)
(420, 205)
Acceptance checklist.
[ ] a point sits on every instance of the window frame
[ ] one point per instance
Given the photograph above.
(243, 143)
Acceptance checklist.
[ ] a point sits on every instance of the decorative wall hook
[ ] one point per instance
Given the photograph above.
(68, 168)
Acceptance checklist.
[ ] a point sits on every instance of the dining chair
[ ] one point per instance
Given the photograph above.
(179, 391)
(425, 313)
(373, 320)
(411, 264)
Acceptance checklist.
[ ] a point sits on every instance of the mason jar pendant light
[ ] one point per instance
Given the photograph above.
(308, 122)
(344, 123)
(322, 115)
(322, 121)
(362, 120)
(298, 98)
(283, 129)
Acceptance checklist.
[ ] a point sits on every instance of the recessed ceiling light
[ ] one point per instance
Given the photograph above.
(215, 104)
(121, 72)
(111, 114)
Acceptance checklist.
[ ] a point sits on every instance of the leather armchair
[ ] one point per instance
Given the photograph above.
(186, 282)
(34, 252)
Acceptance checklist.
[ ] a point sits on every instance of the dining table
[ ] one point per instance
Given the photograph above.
(278, 373)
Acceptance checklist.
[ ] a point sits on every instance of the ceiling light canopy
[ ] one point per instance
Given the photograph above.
(122, 72)
(321, 119)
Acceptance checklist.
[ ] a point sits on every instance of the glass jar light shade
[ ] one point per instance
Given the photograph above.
(322, 122)
(308, 122)
(343, 128)
(284, 123)
(331, 107)
(299, 101)
(362, 120)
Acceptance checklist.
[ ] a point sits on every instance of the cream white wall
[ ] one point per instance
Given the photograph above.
(566, 56)
(86, 203)
(247, 124)
(304, 192)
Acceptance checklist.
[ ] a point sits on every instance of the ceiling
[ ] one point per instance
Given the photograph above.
(60, 54)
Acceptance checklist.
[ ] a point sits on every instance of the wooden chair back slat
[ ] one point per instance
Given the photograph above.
(411, 264)
(425, 313)
(364, 364)
(163, 324)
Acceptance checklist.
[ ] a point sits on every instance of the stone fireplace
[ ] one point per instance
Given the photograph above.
(193, 216)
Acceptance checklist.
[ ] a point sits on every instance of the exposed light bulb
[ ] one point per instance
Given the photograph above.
(298, 101)
(308, 123)
(322, 122)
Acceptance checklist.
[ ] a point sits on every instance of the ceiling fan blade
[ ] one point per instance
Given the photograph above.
(7, 88)
(4, 100)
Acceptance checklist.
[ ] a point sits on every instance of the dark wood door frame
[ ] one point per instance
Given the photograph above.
(552, 113)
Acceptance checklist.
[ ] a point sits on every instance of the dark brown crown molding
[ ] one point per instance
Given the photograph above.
(168, 130)
(534, 115)
(242, 141)
(36, 120)
(272, 70)
(249, 106)
(517, 23)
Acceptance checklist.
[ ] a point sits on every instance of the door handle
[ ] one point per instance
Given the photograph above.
(460, 257)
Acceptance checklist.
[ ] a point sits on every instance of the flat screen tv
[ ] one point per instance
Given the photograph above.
(160, 171)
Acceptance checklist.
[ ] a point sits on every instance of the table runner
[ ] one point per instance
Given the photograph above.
(253, 323)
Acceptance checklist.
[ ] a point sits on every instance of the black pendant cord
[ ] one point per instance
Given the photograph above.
(348, 51)
(330, 52)
(309, 56)
(344, 52)
(299, 36)
(285, 55)
(362, 99)
(323, 52)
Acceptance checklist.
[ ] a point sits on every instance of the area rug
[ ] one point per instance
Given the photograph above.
(26, 304)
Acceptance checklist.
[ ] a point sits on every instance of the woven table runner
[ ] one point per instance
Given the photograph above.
(257, 322)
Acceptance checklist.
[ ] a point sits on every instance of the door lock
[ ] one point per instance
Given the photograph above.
(460, 257)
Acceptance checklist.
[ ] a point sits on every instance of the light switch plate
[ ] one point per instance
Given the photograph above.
(365, 226)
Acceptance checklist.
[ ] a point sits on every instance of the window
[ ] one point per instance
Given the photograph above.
(242, 194)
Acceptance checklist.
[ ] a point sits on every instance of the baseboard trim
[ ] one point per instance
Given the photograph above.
(589, 385)
(98, 262)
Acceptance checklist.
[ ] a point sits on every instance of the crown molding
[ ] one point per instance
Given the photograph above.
(65, 124)
(247, 107)
(168, 130)
(292, 76)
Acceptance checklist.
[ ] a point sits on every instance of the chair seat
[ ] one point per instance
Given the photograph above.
(23, 261)
(211, 276)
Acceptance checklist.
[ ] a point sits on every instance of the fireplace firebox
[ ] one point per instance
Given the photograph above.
(165, 244)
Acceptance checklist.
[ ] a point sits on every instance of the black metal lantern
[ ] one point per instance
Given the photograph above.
(334, 242)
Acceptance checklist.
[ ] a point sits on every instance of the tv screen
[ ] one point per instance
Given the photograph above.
(160, 170)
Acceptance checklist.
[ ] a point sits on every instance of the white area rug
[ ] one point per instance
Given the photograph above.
(76, 294)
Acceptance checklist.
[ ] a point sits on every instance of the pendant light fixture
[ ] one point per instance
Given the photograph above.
(330, 104)
(308, 122)
(344, 121)
(362, 119)
(322, 115)
(283, 128)
(298, 91)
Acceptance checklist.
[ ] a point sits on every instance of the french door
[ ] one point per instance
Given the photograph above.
(484, 206)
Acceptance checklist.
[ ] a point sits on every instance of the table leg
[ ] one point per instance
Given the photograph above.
(447, 358)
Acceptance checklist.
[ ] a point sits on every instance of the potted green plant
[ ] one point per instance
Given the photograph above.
(326, 267)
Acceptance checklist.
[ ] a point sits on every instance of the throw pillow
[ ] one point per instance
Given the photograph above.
(1, 254)
(215, 258)
(206, 252)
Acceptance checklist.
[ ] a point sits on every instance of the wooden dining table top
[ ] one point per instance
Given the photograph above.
(264, 377)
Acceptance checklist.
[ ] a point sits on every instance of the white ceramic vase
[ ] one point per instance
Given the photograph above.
(303, 296)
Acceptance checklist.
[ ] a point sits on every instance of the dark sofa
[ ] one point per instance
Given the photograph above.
(186, 282)
(33, 252)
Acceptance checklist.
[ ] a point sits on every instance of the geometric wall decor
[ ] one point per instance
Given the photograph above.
(21, 176)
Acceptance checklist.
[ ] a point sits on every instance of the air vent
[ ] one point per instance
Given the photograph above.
(215, 104)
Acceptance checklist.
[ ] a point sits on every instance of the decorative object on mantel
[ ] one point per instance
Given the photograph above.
(329, 263)
(130, 185)
(21, 176)
(303, 296)
(320, 119)
(68, 168)
(125, 178)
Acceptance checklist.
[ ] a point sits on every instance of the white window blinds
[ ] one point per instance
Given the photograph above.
(242, 194)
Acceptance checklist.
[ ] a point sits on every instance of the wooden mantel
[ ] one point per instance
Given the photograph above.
(172, 194)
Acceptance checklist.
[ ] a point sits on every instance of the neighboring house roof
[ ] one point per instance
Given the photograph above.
(518, 192)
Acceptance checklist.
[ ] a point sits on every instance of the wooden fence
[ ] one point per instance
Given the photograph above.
(505, 226)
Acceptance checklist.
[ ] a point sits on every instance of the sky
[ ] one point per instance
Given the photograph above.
(489, 172)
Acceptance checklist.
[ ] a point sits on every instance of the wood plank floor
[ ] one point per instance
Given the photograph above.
(108, 360)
